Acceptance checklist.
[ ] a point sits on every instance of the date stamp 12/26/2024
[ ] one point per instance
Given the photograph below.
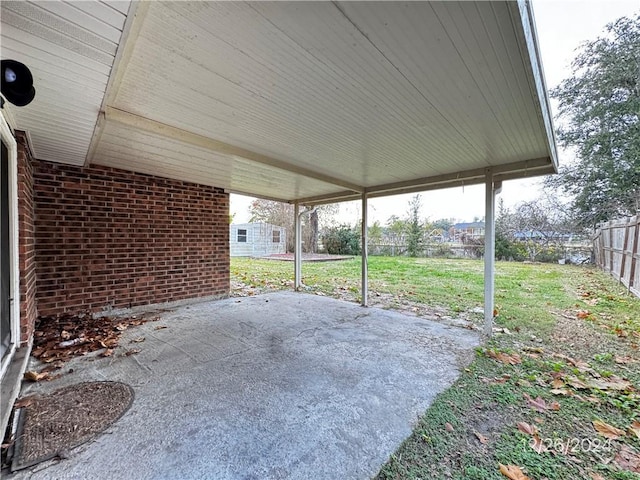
(566, 446)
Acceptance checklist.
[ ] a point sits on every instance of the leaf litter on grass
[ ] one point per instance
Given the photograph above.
(607, 431)
(513, 472)
(628, 459)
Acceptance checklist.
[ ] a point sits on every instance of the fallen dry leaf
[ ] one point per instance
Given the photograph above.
(634, 429)
(121, 327)
(579, 364)
(594, 400)
(107, 353)
(576, 383)
(607, 431)
(448, 427)
(109, 342)
(138, 340)
(35, 376)
(526, 428)
(481, 438)
(540, 405)
(160, 327)
(512, 472)
(628, 459)
(39, 376)
(508, 358)
(582, 314)
(557, 383)
(25, 401)
(132, 351)
(623, 360)
(596, 476)
(611, 383)
(561, 391)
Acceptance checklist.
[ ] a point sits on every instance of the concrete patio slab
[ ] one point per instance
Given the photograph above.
(276, 386)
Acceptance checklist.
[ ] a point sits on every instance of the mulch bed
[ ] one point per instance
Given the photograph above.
(54, 423)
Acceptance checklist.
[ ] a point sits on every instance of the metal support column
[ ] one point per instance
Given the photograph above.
(297, 249)
(365, 267)
(489, 253)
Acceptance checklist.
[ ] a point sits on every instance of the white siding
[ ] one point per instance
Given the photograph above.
(259, 240)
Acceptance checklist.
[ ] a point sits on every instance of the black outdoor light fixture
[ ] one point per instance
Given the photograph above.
(17, 83)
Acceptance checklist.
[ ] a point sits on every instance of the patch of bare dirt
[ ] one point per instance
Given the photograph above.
(580, 335)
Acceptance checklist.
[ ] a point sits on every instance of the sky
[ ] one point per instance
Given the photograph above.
(562, 26)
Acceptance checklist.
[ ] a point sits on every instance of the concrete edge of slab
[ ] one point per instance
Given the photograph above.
(159, 306)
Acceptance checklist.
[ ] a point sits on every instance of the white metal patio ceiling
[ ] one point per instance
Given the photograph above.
(288, 100)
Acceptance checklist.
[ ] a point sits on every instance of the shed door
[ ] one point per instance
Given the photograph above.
(5, 255)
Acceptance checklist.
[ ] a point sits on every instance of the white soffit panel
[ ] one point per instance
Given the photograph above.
(371, 92)
(287, 100)
(69, 48)
(130, 148)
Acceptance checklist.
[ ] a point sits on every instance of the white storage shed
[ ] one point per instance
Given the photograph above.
(256, 239)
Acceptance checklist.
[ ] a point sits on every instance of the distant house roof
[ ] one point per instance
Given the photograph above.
(529, 234)
(465, 225)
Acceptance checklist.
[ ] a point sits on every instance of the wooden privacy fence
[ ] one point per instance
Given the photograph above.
(617, 251)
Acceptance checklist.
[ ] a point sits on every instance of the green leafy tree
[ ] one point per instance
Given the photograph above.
(395, 230)
(600, 121)
(342, 240)
(443, 224)
(375, 233)
(532, 229)
(415, 232)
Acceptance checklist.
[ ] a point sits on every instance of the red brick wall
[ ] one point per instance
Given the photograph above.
(113, 238)
(26, 240)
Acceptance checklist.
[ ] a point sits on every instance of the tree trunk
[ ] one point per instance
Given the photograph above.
(313, 224)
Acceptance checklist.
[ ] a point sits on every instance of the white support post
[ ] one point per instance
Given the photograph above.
(489, 253)
(365, 267)
(297, 250)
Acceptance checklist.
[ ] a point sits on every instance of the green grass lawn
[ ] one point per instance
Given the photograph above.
(568, 357)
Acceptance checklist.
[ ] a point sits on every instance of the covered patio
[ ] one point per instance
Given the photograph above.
(282, 386)
(148, 114)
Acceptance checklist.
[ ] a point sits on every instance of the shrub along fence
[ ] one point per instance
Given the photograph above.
(617, 251)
